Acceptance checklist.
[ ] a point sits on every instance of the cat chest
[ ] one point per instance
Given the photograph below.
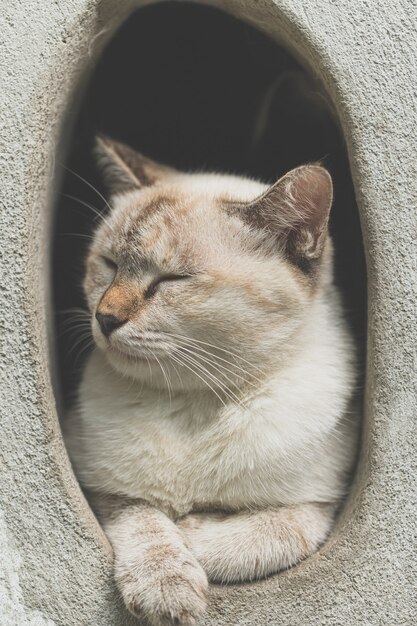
(179, 469)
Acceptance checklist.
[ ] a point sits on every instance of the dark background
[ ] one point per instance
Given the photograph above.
(192, 87)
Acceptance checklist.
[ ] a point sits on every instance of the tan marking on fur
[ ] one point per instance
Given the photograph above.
(135, 607)
(167, 221)
(150, 239)
(152, 530)
(120, 300)
(160, 552)
(306, 546)
(295, 527)
(126, 578)
(251, 290)
(256, 294)
(157, 205)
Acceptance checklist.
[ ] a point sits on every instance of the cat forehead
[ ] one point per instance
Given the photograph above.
(186, 194)
(182, 219)
(216, 186)
(191, 205)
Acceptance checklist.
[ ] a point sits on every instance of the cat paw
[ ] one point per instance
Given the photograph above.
(242, 547)
(171, 593)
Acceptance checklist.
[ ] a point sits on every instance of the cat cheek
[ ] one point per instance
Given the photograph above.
(168, 296)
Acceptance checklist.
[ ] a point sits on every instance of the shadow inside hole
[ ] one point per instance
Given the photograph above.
(195, 88)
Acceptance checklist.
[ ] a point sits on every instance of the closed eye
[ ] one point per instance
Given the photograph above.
(153, 286)
(110, 264)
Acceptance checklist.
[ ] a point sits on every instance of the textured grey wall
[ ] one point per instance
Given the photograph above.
(56, 566)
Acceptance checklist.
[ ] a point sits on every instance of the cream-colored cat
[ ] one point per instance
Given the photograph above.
(212, 429)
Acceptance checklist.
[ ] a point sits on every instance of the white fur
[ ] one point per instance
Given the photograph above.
(271, 453)
(284, 447)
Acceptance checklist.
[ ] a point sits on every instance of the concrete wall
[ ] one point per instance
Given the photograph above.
(55, 566)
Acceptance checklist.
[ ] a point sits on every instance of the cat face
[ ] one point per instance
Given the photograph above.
(199, 280)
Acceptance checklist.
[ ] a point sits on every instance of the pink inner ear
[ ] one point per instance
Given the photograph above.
(124, 169)
(312, 193)
(295, 211)
(300, 199)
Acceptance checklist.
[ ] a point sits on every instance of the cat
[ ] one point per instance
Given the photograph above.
(214, 432)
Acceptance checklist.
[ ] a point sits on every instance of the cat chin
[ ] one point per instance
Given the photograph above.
(149, 372)
(142, 369)
(134, 367)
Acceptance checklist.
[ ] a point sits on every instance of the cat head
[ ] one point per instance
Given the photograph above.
(204, 279)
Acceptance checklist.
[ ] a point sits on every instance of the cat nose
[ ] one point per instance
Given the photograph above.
(109, 323)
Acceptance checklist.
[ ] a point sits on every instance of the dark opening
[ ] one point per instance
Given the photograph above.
(193, 87)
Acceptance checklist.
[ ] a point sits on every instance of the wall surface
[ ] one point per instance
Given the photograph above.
(56, 565)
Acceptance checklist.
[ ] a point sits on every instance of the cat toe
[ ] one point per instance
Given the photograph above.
(175, 596)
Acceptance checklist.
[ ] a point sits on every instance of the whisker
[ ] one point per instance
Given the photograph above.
(73, 329)
(164, 374)
(178, 374)
(217, 358)
(87, 183)
(191, 344)
(83, 350)
(230, 395)
(211, 345)
(74, 316)
(184, 364)
(81, 337)
(103, 218)
(92, 208)
(216, 365)
(81, 235)
(86, 341)
(143, 382)
(228, 392)
(73, 310)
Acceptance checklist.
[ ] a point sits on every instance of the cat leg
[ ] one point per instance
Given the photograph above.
(157, 575)
(251, 545)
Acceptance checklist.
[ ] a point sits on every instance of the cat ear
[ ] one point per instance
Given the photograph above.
(123, 168)
(295, 210)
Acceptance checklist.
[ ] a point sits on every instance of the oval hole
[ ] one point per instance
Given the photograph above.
(193, 87)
